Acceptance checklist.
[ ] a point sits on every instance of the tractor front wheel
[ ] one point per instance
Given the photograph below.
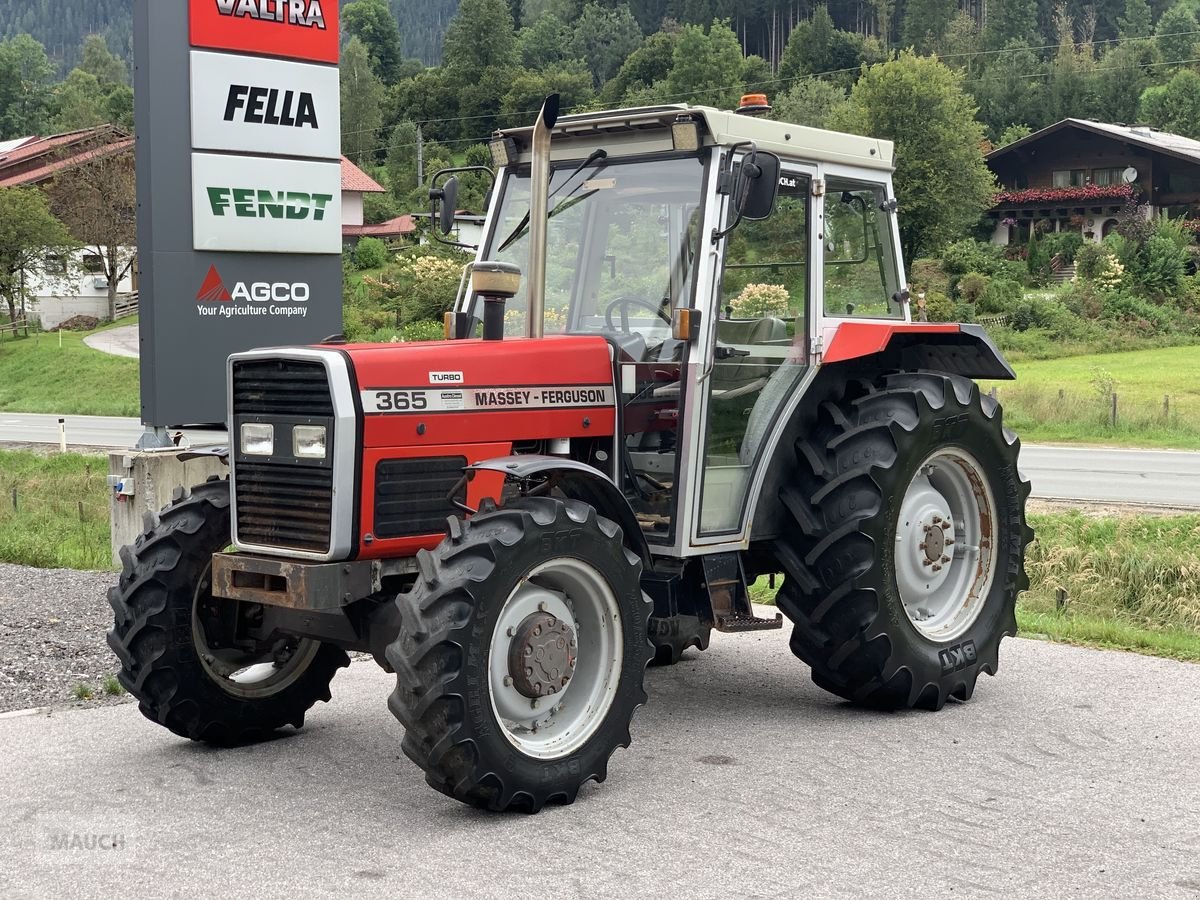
(906, 551)
(185, 654)
(521, 654)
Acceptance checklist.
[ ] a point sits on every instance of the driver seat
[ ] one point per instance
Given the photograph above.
(737, 376)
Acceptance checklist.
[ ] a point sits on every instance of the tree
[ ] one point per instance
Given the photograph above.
(604, 38)
(926, 23)
(1137, 22)
(481, 37)
(707, 67)
(28, 232)
(1014, 133)
(362, 102)
(1006, 93)
(809, 102)
(1123, 74)
(372, 22)
(109, 70)
(1176, 33)
(942, 182)
(647, 65)
(1011, 22)
(25, 73)
(97, 201)
(402, 158)
(1174, 106)
(571, 81)
(818, 47)
(77, 103)
(543, 43)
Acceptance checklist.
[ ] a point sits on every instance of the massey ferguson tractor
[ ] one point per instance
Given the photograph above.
(684, 360)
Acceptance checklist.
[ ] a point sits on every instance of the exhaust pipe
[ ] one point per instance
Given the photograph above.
(539, 214)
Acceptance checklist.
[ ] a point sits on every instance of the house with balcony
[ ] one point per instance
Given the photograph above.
(1078, 174)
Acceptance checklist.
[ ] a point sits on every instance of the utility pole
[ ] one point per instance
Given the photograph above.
(420, 155)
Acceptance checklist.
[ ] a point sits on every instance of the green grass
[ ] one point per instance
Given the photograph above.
(39, 376)
(61, 518)
(1141, 380)
(112, 687)
(1132, 583)
(82, 691)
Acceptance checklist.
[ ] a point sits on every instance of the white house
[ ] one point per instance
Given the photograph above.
(63, 288)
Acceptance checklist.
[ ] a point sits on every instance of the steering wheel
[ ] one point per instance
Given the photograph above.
(623, 305)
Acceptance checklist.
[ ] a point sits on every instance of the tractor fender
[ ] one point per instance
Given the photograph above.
(953, 349)
(579, 481)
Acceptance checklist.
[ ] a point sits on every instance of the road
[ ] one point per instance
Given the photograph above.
(1071, 774)
(1159, 477)
(88, 431)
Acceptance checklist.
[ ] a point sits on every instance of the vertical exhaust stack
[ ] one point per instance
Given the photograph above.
(539, 214)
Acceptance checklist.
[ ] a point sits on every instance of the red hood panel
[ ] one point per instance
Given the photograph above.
(472, 391)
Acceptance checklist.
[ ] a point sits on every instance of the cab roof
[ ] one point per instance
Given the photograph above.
(723, 128)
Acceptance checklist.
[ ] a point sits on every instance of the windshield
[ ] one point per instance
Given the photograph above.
(621, 246)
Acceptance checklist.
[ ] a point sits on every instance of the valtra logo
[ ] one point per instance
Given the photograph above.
(295, 29)
(259, 298)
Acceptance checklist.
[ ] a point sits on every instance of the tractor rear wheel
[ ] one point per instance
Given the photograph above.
(906, 550)
(521, 654)
(180, 652)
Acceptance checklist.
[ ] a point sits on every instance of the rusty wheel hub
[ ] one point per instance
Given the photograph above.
(541, 657)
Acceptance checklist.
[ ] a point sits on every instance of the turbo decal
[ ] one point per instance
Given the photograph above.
(391, 401)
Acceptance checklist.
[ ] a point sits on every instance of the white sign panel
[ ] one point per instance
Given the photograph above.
(251, 205)
(249, 104)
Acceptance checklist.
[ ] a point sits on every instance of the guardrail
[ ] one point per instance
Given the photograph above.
(127, 305)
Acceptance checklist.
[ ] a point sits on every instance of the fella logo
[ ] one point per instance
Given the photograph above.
(270, 106)
(295, 29)
(259, 298)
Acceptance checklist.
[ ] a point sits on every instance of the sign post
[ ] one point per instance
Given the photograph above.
(239, 192)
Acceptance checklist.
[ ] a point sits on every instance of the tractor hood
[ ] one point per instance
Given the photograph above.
(473, 391)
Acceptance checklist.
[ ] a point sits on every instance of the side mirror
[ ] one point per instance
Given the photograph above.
(760, 188)
(449, 205)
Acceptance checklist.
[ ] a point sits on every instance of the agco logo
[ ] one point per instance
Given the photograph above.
(307, 13)
(259, 298)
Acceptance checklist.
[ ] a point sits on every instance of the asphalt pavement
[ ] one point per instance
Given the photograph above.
(1074, 773)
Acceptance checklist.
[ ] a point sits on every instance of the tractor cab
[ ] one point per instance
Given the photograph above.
(713, 252)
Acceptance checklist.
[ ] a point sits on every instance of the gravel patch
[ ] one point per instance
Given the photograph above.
(53, 624)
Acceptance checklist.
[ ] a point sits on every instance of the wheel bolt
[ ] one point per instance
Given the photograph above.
(529, 671)
(564, 682)
(946, 526)
(945, 559)
(508, 681)
(537, 629)
(511, 631)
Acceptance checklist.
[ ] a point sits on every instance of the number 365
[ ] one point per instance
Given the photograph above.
(400, 401)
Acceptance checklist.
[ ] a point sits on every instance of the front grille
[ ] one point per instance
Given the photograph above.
(280, 505)
(412, 496)
(282, 387)
(286, 502)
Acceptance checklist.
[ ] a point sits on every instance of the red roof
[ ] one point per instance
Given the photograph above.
(356, 180)
(397, 227)
(37, 159)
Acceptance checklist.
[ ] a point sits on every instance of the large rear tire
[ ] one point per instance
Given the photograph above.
(521, 654)
(906, 549)
(178, 655)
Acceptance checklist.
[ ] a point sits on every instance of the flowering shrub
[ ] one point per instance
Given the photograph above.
(757, 301)
(555, 321)
(1055, 195)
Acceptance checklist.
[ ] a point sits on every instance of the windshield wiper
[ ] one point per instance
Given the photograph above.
(600, 156)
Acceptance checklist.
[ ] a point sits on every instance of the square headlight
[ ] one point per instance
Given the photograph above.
(258, 439)
(308, 441)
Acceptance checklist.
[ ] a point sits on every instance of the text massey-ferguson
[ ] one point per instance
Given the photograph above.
(516, 522)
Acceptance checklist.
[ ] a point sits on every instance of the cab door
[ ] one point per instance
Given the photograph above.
(758, 351)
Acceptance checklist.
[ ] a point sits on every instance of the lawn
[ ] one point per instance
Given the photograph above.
(37, 375)
(1158, 398)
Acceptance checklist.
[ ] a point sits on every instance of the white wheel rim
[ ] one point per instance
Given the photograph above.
(577, 595)
(945, 557)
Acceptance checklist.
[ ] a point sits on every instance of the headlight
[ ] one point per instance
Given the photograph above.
(308, 441)
(258, 439)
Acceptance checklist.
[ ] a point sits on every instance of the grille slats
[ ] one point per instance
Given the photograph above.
(281, 504)
(412, 495)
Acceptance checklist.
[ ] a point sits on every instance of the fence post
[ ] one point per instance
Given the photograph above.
(1061, 395)
(992, 392)
(1060, 599)
(1114, 410)
(1167, 406)
(14, 498)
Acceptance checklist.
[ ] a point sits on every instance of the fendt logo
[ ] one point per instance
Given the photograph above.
(307, 13)
(249, 203)
(259, 298)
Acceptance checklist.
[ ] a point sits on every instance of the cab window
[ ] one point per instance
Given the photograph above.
(861, 274)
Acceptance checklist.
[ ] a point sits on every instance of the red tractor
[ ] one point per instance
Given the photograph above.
(684, 360)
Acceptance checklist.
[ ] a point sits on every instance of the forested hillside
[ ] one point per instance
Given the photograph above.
(61, 25)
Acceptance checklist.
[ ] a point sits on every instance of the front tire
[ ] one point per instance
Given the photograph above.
(521, 654)
(178, 659)
(905, 553)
